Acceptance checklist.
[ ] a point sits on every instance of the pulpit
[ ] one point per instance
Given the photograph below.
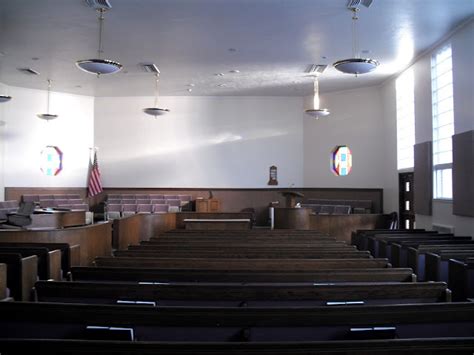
(290, 197)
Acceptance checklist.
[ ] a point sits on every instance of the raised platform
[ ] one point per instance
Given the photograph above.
(217, 224)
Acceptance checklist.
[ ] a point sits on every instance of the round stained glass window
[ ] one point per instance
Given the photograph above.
(51, 160)
(341, 160)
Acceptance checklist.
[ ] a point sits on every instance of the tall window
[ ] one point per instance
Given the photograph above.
(405, 86)
(443, 122)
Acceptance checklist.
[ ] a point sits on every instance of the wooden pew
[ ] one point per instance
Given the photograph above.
(399, 250)
(225, 246)
(241, 264)
(416, 255)
(70, 255)
(359, 237)
(432, 346)
(375, 240)
(102, 274)
(3, 282)
(280, 254)
(436, 265)
(190, 325)
(461, 279)
(240, 244)
(21, 274)
(49, 261)
(242, 295)
(386, 245)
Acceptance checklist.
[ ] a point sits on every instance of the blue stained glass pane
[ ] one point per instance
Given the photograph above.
(343, 157)
(50, 157)
(49, 172)
(343, 171)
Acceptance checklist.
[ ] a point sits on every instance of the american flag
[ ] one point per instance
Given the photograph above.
(95, 186)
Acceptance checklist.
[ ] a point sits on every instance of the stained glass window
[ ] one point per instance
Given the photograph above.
(51, 160)
(341, 162)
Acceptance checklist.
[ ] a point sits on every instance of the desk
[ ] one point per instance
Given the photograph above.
(207, 205)
(217, 224)
(57, 219)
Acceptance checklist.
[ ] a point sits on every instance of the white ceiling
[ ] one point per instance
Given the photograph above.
(189, 40)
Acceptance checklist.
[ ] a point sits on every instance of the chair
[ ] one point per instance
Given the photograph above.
(47, 203)
(162, 208)
(129, 209)
(158, 201)
(73, 196)
(30, 198)
(326, 209)
(174, 205)
(128, 201)
(171, 197)
(113, 211)
(156, 197)
(144, 208)
(61, 202)
(23, 216)
(340, 209)
(143, 201)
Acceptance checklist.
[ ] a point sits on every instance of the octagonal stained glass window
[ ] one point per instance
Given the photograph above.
(51, 160)
(341, 160)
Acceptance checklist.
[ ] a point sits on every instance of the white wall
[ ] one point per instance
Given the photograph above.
(26, 135)
(202, 142)
(356, 120)
(463, 91)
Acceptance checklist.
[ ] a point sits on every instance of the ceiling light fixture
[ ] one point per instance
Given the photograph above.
(155, 111)
(98, 65)
(317, 112)
(5, 98)
(355, 65)
(47, 116)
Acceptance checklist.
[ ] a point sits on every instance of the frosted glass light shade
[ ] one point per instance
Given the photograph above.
(47, 116)
(356, 65)
(5, 98)
(319, 112)
(99, 66)
(155, 111)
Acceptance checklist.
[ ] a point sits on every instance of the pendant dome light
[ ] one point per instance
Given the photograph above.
(47, 116)
(317, 112)
(99, 65)
(355, 65)
(155, 110)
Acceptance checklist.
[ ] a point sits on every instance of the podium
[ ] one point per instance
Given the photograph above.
(207, 205)
(290, 197)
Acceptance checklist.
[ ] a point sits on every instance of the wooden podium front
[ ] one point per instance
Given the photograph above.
(207, 205)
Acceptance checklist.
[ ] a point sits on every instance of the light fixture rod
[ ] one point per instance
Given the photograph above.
(157, 75)
(101, 25)
(355, 40)
(49, 90)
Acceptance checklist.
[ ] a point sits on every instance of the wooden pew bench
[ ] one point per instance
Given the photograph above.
(251, 325)
(70, 255)
(242, 295)
(241, 264)
(416, 255)
(386, 245)
(399, 250)
(22, 274)
(217, 224)
(49, 261)
(104, 274)
(436, 265)
(374, 241)
(360, 237)
(461, 279)
(280, 254)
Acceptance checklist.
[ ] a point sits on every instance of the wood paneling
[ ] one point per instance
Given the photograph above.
(292, 218)
(138, 227)
(342, 226)
(94, 240)
(235, 200)
(423, 189)
(463, 174)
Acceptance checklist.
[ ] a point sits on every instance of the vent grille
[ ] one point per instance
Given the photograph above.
(354, 4)
(29, 71)
(99, 4)
(150, 68)
(316, 69)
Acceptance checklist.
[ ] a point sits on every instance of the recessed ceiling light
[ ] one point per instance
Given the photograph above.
(234, 71)
(221, 85)
(232, 50)
(219, 74)
(190, 90)
(191, 85)
(35, 58)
